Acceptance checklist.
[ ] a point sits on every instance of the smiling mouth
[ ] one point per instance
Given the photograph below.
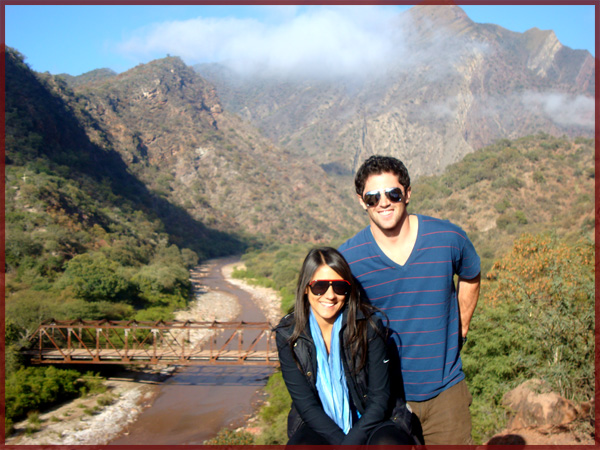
(327, 305)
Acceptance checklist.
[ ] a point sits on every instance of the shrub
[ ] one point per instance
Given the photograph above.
(521, 218)
(94, 383)
(105, 400)
(160, 284)
(34, 388)
(538, 177)
(502, 205)
(154, 314)
(535, 320)
(94, 277)
(509, 220)
(230, 437)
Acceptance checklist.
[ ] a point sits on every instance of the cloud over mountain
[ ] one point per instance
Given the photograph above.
(319, 41)
(562, 108)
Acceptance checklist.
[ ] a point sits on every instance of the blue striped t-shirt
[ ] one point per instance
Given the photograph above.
(419, 299)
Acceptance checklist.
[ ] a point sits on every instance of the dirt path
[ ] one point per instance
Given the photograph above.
(84, 421)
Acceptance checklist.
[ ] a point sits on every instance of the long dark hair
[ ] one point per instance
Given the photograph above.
(356, 330)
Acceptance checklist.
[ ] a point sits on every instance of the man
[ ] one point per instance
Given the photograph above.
(406, 265)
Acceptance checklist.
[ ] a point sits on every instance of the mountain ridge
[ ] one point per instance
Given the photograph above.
(168, 124)
(427, 109)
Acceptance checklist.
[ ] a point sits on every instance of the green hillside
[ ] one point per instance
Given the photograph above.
(84, 237)
(529, 185)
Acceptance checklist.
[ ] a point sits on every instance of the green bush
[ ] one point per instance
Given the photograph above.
(230, 437)
(538, 177)
(155, 314)
(163, 285)
(521, 218)
(94, 277)
(535, 320)
(509, 220)
(105, 400)
(93, 383)
(502, 205)
(34, 388)
(80, 309)
(508, 183)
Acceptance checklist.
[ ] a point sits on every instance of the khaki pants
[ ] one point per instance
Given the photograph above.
(445, 419)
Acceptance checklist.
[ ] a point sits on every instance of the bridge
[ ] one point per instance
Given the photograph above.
(145, 342)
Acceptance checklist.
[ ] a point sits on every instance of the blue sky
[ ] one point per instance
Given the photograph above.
(78, 38)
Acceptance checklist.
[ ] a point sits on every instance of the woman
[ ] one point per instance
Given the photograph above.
(332, 351)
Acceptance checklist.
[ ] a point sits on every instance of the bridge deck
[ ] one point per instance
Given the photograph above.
(82, 356)
(118, 342)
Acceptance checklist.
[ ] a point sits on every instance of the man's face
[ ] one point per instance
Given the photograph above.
(386, 215)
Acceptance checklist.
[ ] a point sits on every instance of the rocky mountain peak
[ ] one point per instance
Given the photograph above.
(167, 123)
(455, 86)
(145, 106)
(542, 46)
(434, 17)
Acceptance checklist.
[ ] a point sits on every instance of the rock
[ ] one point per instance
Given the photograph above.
(542, 417)
(535, 405)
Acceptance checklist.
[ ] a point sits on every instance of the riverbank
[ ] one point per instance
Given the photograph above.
(84, 421)
(267, 299)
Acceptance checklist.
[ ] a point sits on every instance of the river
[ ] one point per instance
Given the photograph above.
(198, 401)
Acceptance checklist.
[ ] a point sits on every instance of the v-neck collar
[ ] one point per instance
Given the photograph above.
(412, 255)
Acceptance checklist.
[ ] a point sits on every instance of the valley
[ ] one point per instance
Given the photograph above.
(118, 184)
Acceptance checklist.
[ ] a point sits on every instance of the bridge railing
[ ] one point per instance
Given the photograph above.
(145, 342)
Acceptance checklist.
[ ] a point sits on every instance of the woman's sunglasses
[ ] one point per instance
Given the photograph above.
(394, 195)
(319, 287)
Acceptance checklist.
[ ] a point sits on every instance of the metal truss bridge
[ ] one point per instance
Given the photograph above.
(144, 342)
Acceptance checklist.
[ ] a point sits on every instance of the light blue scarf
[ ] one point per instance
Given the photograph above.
(331, 381)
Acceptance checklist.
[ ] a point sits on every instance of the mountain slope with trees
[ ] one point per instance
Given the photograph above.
(168, 124)
(84, 237)
(529, 185)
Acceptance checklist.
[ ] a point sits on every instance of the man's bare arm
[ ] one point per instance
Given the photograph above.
(468, 294)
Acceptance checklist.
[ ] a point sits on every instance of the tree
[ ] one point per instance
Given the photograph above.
(94, 277)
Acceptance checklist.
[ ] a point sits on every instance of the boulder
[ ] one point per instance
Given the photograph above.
(534, 405)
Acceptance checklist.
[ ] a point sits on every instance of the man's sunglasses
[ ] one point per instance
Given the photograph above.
(394, 195)
(319, 287)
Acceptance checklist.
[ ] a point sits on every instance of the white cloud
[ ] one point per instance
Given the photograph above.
(316, 41)
(562, 108)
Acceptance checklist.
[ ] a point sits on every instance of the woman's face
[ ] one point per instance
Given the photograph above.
(327, 306)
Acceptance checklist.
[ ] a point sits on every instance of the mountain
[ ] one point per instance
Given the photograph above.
(94, 75)
(168, 125)
(85, 237)
(49, 132)
(531, 185)
(453, 86)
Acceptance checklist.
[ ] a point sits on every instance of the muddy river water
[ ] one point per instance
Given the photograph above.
(198, 401)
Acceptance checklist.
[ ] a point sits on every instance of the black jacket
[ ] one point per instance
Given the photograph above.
(369, 389)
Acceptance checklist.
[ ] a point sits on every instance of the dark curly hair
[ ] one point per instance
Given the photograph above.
(377, 165)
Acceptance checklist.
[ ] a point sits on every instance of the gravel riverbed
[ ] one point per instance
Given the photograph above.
(83, 422)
